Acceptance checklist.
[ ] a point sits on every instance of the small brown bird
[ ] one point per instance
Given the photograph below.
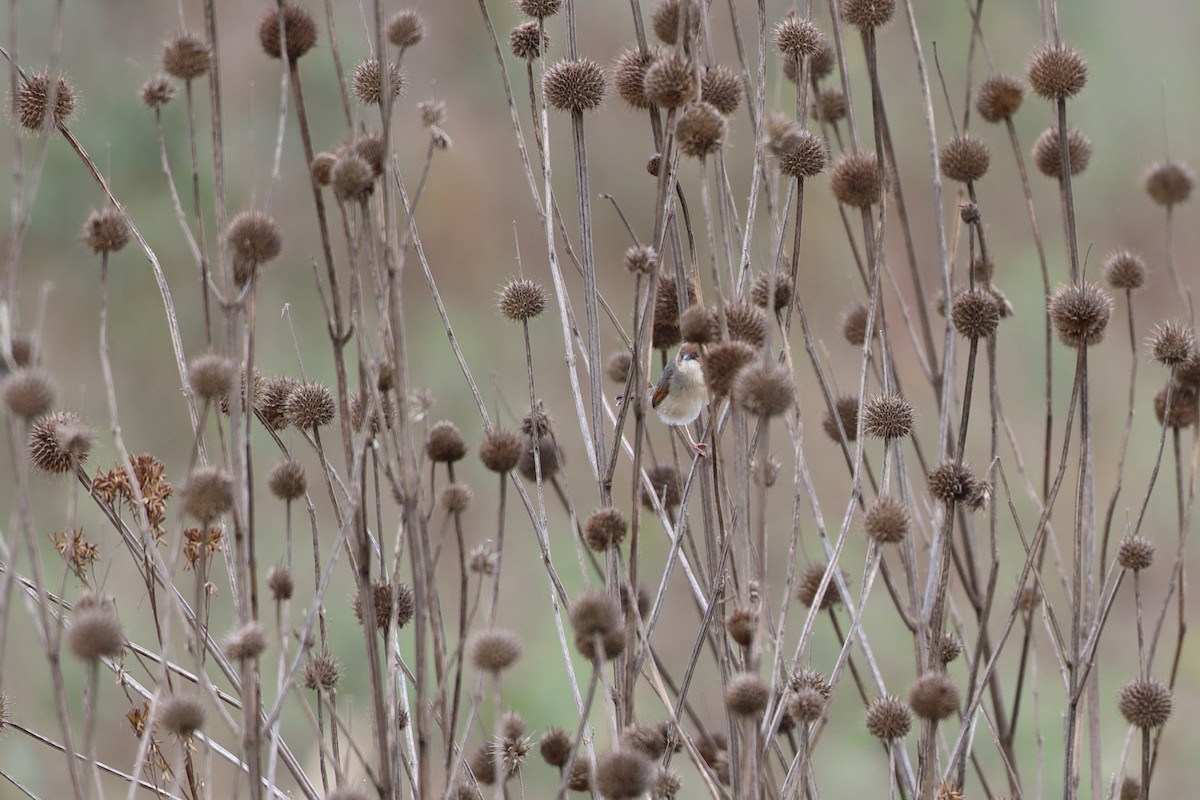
(681, 393)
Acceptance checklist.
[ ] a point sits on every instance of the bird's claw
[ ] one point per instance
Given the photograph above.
(700, 450)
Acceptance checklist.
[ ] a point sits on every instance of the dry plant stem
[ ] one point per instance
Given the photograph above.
(1133, 369)
(1067, 192)
(1169, 258)
(200, 237)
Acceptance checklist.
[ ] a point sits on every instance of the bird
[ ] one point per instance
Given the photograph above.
(681, 393)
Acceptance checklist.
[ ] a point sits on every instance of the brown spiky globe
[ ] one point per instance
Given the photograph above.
(596, 615)
(845, 412)
(623, 774)
(186, 56)
(299, 30)
(742, 626)
(809, 583)
(1172, 343)
(1125, 271)
(804, 156)
(854, 324)
(965, 158)
(746, 694)
(254, 237)
(700, 130)
(1080, 313)
(721, 86)
(287, 481)
(797, 38)
(618, 366)
(1057, 72)
(208, 492)
(157, 92)
(33, 100)
(975, 314)
(1145, 703)
(999, 97)
(500, 450)
(574, 85)
(666, 19)
(28, 393)
(371, 149)
(522, 300)
(699, 325)
(524, 41)
(352, 178)
(888, 416)
(494, 649)
(1047, 153)
(746, 322)
(868, 13)
(778, 282)
(605, 528)
(934, 696)
(1185, 406)
(888, 719)
(555, 747)
(640, 259)
(1135, 553)
(211, 376)
(539, 9)
(322, 672)
(723, 362)
(58, 441)
(406, 28)
(765, 389)
(830, 105)
(1169, 183)
(246, 643)
(666, 484)
(670, 81)
(887, 520)
(310, 405)
(444, 444)
(952, 482)
(629, 75)
(856, 180)
(95, 630)
(367, 81)
(181, 714)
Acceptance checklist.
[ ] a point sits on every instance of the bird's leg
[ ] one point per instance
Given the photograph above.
(699, 448)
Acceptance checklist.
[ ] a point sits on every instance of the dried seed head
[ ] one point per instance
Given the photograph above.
(1125, 270)
(855, 180)
(665, 19)
(482, 764)
(157, 92)
(723, 363)
(406, 604)
(247, 642)
(310, 405)
(797, 37)
(574, 85)
(322, 673)
(1057, 72)
(58, 441)
(494, 649)
(623, 774)
(888, 416)
(629, 75)
(1047, 155)
(211, 376)
(666, 485)
(367, 82)
(670, 81)
(969, 213)
(640, 259)
(888, 719)
(287, 481)
(714, 749)
(700, 130)
(722, 87)
(555, 747)
(208, 492)
(105, 231)
(95, 630)
(369, 147)
(596, 615)
(806, 706)
(951, 482)
(854, 324)
(281, 583)
(1145, 703)
(254, 237)
(651, 739)
(975, 313)
(1185, 406)
(934, 696)
(1080, 314)
(667, 784)
(845, 411)
(665, 332)
(352, 178)
(765, 389)
(181, 714)
(742, 625)
(186, 57)
(965, 158)
(1172, 343)
(322, 168)
(28, 393)
(381, 601)
(810, 582)
(806, 155)
(456, 498)
(747, 323)
(605, 528)
(539, 9)
(830, 105)
(867, 13)
(747, 694)
(699, 325)
(547, 458)
(778, 281)
(653, 163)
(483, 560)
(1169, 183)
(999, 97)
(1135, 553)
(781, 133)
(444, 443)
(406, 28)
(887, 520)
(299, 29)
(1131, 789)
(500, 450)
(823, 62)
(522, 299)
(644, 602)
(949, 648)
(33, 98)
(271, 400)
(523, 41)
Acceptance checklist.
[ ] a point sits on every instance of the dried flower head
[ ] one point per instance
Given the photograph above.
(699, 325)
(370, 148)
(809, 583)
(797, 38)
(310, 405)
(1135, 553)
(299, 30)
(1169, 183)
(723, 363)
(523, 41)
(157, 92)
(555, 747)
(58, 441)
(666, 19)
(867, 13)
(854, 324)
(254, 237)
(547, 458)
(105, 231)
(382, 602)
(33, 99)
(270, 401)
(482, 764)
(623, 774)
(888, 416)
(186, 56)
(856, 180)
(845, 413)
(287, 481)
(352, 177)
(965, 158)
(670, 81)
(746, 322)
(444, 444)
(888, 719)
(181, 714)
(406, 28)
(500, 450)
(804, 155)
(742, 625)
(1131, 789)
(95, 630)
(1145, 703)
(247, 642)
(322, 673)
(494, 649)
(746, 695)
(667, 784)
(949, 648)
(574, 85)
(281, 583)
(207, 492)
(666, 484)
(456, 498)
(975, 313)
(700, 129)
(1172, 343)
(322, 168)
(1080, 314)
(665, 332)
(539, 9)
(367, 82)
(829, 105)
(952, 482)
(522, 299)
(640, 259)
(211, 376)
(887, 520)
(1057, 72)
(1125, 270)
(605, 528)
(999, 97)
(765, 389)
(1185, 405)
(1048, 155)
(721, 86)
(629, 75)
(778, 282)
(28, 393)
(597, 621)
(934, 696)
(806, 705)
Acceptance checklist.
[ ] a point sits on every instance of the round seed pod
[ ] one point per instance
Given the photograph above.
(281, 583)
(766, 390)
(574, 85)
(721, 86)
(640, 259)
(623, 774)
(95, 631)
(1145, 703)
(596, 615)
(747, 323)
(181, 714)
(888, 416)
(666, 484)
(322, 673)
(949, 648)
(299, 29)
(665, 20)
(999, 97)
(287, 481)
(846, 410)
(310, 405)
(651, 739)
(810, 582)
(59, 441)
(653, 163)
(270, 401)
(1131, 789)
(1080, 314)
(888, 719)
(699, 325)
(1135, 553)
(524, 41)
(246, 643)
(406, 28)
(796, 38)
(105, 231)
(381, 600)
(934, 696)
(667, 783)
(854, 324)
(829, 105)
(952, 482)
(406, 605)
(670, 81)
(822, 63)
(1125, 271)
(555, 747)
(644, 602)
(207, 493)
(806, 706)
(618, 366)
(807, 156)
(482, 764)
(665, 332)
(887, 520)
(456, 498)
(28, 393)
(1185, 407)
(975, 313)
(522, 300)
(494, 649)
(855, 180)
(33, 101)
(367, 81)
(1047, 155)
(742, 626)
(1169, 183)
(211, 376)
(1172, 343)
(965, 158)
(1188, 373)
(352, 178)
(539, 9)
(322, 168)
(605, 528)
(723, 362)
(157, 92)
(780, 133)
(1057, 72)
(867, 13)
(444, 443)
(778, 281)
(186, 57)
(629, 75)
(747, 695)
(700, 130)
(547, 457)
(369, 147)
(254, 237)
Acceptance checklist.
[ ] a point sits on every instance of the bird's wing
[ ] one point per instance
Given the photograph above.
(661, 390)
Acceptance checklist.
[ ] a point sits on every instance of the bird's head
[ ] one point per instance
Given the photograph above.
(689, 351)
